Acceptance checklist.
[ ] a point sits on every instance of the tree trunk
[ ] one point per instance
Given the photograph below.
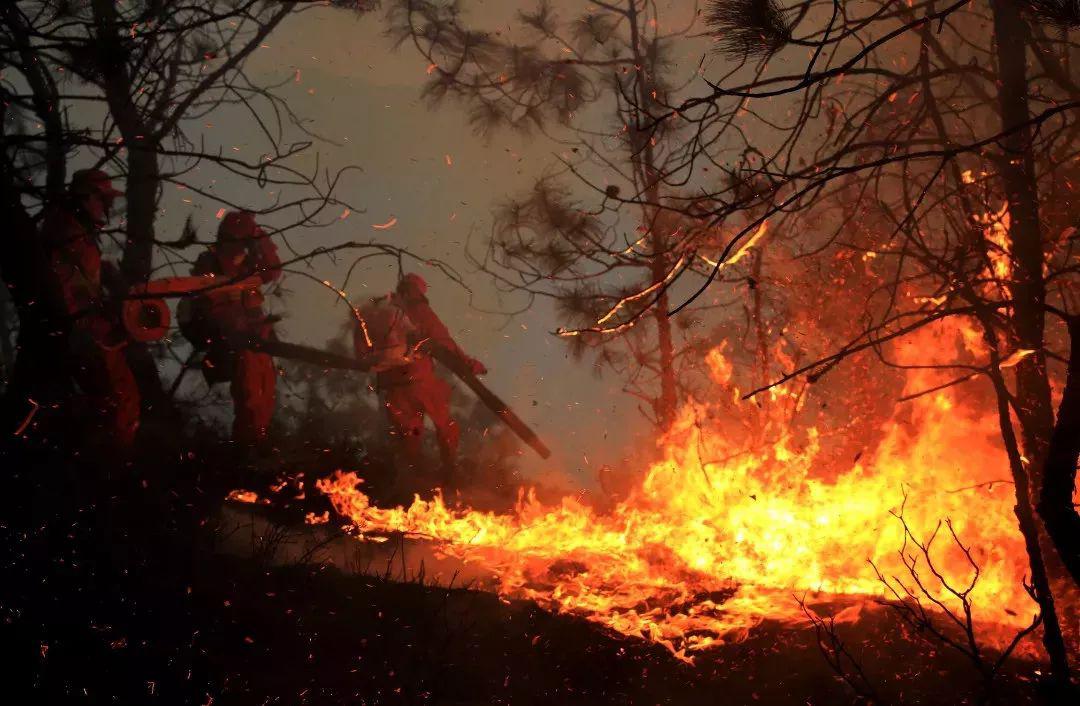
(643, 157)
(143, 183)
(668, 402)
(1059, 473)
(1029, 529)
(7, 344)
(1027, 287)
(138, 134)
(141, 191)
(38, 354)
(1028, 291)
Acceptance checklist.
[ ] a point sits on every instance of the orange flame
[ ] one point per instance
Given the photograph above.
(995, 225)
(719, 535)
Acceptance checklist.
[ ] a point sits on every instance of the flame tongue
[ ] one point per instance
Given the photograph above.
(705, 549)
(615, 569)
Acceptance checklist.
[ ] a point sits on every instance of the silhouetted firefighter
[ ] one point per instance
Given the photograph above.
(225, 318)
(94, 338)
(403, 330)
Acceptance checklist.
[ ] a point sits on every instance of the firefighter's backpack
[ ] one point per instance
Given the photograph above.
(384, 338)
(196, 325)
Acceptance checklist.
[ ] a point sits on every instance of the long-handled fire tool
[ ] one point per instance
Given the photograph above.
(303, 354)
(492, 401)
(326, 359)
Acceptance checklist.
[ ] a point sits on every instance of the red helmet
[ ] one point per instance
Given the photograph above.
(412, 284)
(238, 225)
(87, 182)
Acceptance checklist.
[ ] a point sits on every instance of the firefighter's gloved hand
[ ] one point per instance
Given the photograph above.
(265, 251)
(477, 367)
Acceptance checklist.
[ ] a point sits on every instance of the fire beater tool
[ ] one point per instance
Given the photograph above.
(491, 400)
(326, 359)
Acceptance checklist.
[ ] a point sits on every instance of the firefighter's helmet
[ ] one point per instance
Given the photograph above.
(238, 225)
(87, 182)
(412, 284)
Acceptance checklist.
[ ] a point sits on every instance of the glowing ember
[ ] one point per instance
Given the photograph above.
(723, 531)
(743, 249)
(245, 496)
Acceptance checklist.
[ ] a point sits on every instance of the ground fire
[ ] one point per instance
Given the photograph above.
(720, 535)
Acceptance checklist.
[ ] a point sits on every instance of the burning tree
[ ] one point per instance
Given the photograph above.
(918, 138)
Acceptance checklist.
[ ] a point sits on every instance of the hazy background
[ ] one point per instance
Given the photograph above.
(429, 171)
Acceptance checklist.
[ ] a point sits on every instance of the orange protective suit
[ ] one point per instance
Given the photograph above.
(408, 394)
(96, 341)
(253, 391)
(242, 249)
(412, 391)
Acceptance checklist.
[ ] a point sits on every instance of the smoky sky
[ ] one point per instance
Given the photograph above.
(425, 168)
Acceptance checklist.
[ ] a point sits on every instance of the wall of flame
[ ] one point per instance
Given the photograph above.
(722, 532)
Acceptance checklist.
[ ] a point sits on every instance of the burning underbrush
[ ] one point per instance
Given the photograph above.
(724, 532)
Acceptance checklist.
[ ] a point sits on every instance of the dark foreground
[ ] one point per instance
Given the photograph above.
(128, 596)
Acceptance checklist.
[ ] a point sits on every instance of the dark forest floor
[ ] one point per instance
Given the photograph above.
(127, 597)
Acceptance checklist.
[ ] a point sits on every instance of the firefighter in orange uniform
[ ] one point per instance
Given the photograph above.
(70, 234)
(412, 390)
(242, 249)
